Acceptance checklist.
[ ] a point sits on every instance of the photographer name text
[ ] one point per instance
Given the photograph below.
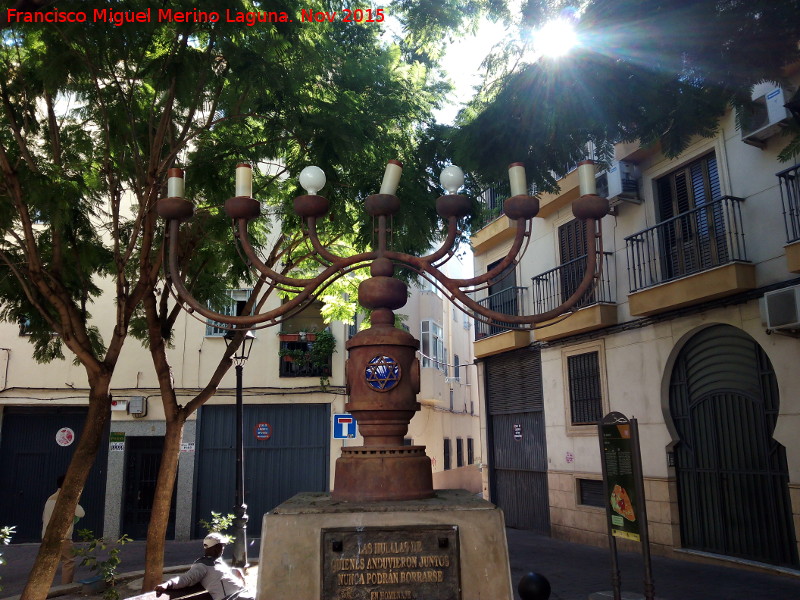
(119, 18)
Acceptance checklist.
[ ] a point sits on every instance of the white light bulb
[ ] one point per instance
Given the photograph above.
(312, 179)
(452, 178)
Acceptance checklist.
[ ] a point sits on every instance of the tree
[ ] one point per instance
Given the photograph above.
(94, 115)
(660, 71)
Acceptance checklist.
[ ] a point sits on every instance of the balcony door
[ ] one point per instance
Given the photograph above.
(573, 248)
(503, 295)
(694, 239)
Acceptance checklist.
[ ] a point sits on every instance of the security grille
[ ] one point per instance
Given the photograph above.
(585, 391)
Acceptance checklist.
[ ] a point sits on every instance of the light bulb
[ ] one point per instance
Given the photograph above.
(312, 179)
(452, 178)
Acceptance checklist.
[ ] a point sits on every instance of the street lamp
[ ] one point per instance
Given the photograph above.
(240, 508)
(382, 371)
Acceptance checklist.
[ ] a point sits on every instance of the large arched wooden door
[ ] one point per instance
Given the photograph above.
(732, 475)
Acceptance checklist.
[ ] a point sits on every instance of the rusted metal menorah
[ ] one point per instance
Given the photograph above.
(382, 371)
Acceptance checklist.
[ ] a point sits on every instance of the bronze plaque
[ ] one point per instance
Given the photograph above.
(391, 563)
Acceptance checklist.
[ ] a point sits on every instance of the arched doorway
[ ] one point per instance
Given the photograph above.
(732, 475)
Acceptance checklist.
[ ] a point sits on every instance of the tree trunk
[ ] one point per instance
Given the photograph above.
(162, 500)
(46, 563)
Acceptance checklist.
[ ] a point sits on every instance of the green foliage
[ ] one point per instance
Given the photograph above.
(85, 109)
(659, 72)
(6, 533)
(219, 523)
(102, 556)
(322, 348)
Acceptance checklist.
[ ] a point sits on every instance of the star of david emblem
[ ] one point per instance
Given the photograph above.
(382, 373)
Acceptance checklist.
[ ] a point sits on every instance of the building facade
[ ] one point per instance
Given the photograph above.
(698, 251)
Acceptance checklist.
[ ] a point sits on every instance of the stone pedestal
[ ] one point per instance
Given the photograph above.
(452, 546)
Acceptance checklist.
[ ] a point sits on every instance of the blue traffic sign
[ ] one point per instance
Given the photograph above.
(344, 427)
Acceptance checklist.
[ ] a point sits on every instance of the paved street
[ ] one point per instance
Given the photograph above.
(574, 571)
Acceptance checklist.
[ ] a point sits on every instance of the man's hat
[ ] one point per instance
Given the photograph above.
(212, 539)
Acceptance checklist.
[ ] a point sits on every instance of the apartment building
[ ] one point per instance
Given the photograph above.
(694, 329)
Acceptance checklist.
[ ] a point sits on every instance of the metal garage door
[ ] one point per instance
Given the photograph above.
(32, 461)
(517, 439)
(294, 459)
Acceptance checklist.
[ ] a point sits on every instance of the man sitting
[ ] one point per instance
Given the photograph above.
(210, 571)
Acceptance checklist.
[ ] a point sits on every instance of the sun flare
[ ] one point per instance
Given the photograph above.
(555, 38)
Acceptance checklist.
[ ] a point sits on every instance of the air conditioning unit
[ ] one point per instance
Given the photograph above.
(781, 309)
(619, 183)
(768, 114)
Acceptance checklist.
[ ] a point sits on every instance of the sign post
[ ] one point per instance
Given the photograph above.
(623, 483)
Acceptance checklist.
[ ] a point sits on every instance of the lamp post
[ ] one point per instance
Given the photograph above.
(382, 372)
(240, 508)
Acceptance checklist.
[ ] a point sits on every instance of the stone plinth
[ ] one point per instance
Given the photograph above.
(291, 562)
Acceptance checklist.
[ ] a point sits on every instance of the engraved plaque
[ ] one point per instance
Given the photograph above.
(391, 563)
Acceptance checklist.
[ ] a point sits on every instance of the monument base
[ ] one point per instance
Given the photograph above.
(449, 547)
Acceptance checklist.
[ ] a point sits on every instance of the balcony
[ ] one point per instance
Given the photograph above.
(306, 354)
(597, 308)
(494, 338)
(789, 183)
(691, 258)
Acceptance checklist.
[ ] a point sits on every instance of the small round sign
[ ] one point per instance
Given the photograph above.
(65, 436)
(263, 431)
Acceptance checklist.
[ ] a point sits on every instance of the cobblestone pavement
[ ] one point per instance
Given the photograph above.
(574, 570)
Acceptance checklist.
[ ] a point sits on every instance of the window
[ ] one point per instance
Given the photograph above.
(503, 296)
(590, 492)
(408, 441)
(470, 451)
(433, 350)
(467, 321)
(25, 326)
(447, 454)
(456, 368)
(233, 306)
(696, 238)
(573, 249)
(452, 400)
(459, 452)
(585, 392)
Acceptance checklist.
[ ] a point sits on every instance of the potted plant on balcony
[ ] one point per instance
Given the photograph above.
(322, 348)
(292, 354)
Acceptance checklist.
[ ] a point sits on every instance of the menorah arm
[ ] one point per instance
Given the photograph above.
(589, 278)
(453, 286)
(244, 239)
(424, 263)
(321, 250)
(309, 287)
(447, 244)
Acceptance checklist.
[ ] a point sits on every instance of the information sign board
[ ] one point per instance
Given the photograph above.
(618, 461)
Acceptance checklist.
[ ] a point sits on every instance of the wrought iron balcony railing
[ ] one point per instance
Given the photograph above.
(552, 287)
(705, 237)
(297, 360)
(789, 183)
(508, 301)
